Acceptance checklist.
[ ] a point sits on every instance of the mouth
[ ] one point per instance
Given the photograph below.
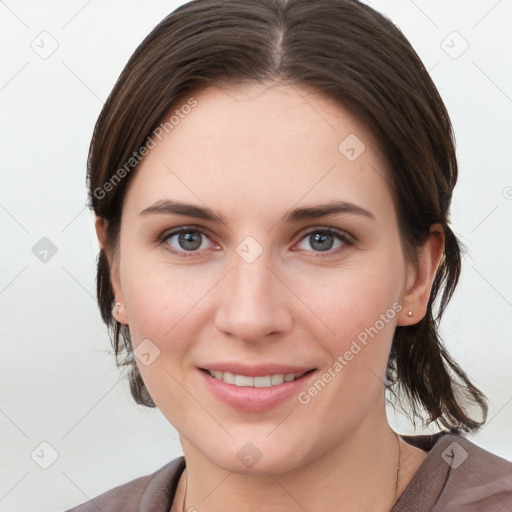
(255, 388)
(262, 381)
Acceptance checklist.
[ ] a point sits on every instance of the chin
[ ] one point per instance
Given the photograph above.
(248, 458)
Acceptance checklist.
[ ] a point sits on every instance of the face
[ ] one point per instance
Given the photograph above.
(287, 261)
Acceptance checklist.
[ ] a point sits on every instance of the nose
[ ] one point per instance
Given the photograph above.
(254, 303)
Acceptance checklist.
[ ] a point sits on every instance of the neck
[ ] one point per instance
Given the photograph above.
(360, 473)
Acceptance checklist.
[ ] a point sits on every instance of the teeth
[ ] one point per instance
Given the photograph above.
(265, 381)
(242, 380)
(280, 378)
(229, 378)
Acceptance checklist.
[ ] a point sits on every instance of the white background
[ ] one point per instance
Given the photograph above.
(59, 383)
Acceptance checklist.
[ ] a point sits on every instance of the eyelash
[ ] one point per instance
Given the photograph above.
(348, 240)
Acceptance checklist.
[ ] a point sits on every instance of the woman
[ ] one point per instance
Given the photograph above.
(272, 182)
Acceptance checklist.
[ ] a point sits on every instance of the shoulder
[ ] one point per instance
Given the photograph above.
(459, 476)
(478, 480)
(153, 492)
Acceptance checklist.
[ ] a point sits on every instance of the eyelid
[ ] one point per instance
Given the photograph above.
(335, 231)
(347, 239)
(179, 229)
(169, 233)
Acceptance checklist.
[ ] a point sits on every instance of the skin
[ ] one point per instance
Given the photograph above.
(251, 153)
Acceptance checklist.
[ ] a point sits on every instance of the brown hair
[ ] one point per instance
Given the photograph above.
(350, 53)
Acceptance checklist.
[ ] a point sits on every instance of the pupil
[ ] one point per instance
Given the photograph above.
(320, 239)
(189, 241)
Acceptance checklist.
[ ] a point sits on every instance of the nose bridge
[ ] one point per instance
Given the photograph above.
(253, 303)
(251, 280)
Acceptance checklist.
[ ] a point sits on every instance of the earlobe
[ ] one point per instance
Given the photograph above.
(119, 312)
(118, 309)
(419, 285)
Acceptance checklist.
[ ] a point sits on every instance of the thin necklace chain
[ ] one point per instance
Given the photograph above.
(396, 480)
(397, 469)
(184, 495)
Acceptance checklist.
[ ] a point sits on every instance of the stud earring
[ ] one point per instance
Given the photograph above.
(409, 314)
(119, 307)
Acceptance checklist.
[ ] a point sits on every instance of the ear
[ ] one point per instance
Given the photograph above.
(421, 277)
(119, 310)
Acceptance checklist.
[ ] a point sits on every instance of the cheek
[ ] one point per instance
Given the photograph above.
(348, 301)
(167, 304)
(162, 306)
(360, 306)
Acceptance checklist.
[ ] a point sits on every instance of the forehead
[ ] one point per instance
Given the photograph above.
(258, 116)
(261, 146)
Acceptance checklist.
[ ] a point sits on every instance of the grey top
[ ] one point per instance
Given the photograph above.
(455, 476)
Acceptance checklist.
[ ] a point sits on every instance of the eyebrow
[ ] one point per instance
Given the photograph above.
(171, 207)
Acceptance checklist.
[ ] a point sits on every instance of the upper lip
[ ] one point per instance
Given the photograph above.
(258, 370)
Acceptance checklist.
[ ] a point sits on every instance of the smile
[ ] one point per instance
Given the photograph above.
(255, 393)
(264, 381)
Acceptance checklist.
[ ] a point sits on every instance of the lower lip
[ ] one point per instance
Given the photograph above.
(250, 399)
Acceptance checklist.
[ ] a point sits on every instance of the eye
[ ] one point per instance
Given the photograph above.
(327, 240)
(185, 241)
